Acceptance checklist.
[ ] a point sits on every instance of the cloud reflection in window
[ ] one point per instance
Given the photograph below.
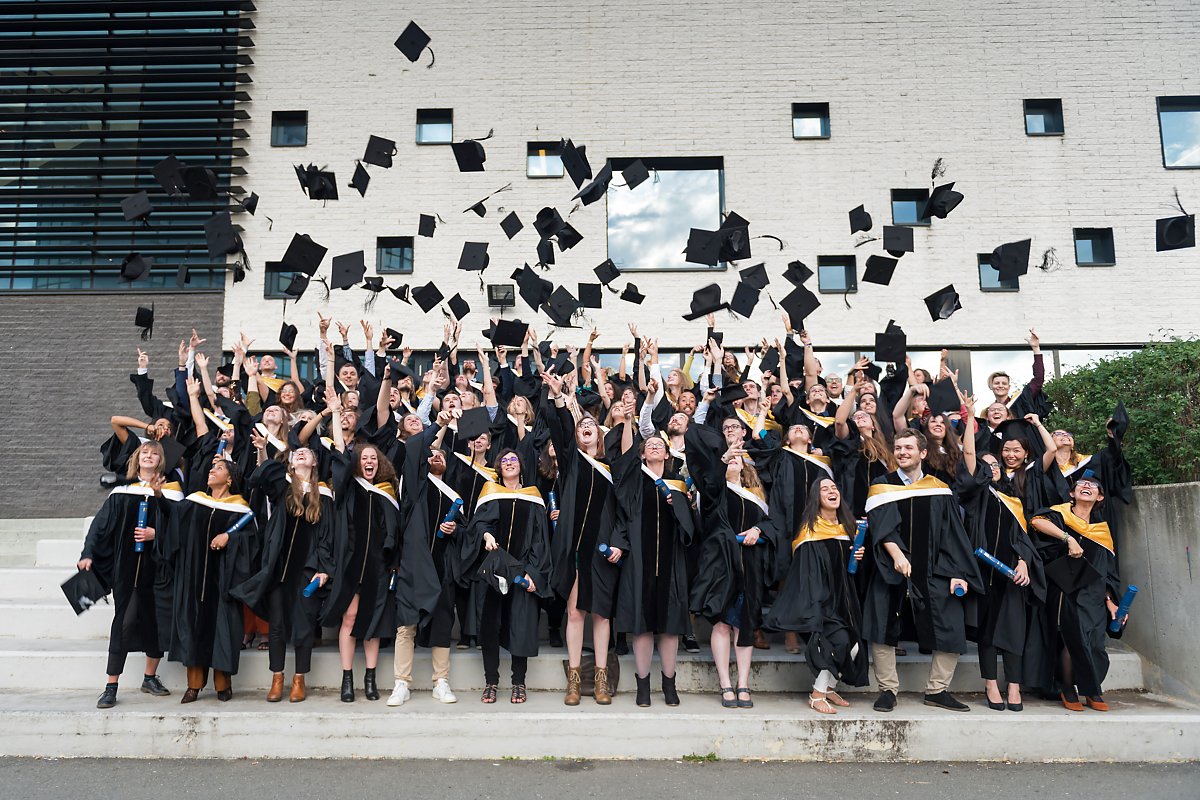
(648, 226)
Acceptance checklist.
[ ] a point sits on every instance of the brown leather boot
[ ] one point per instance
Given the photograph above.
(573, 682)
(298, 693)
(601, 691)
(276, 692)
(760, 641)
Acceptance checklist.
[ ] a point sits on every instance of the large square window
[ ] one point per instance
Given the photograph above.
(289, 128)
(648, 226)
(837, 274)
(1043, 117)
(544, 160)
(989, 277)
(907, 205)
(810, 120)
(1179, 126)
(393, 254)
(1094, 247)
(435, 125)
(276, 281)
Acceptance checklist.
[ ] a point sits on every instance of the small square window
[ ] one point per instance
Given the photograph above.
(989, 277)
(1179, 128)
(810, 120)
(837, 274)
(1094, 247)
(435, 125)
(276, 281)
(1044, 117)
(544, 160)
(289, 128)
(394, 254)
(907, 205)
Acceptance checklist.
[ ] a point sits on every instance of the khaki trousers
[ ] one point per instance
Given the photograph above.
(406, 639)
(941, 669)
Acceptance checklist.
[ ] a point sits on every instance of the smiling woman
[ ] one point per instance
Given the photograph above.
(648, 226)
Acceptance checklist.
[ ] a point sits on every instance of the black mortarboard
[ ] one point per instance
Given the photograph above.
(373, 284)
(297, 286)
(562, 363)
(941, 202)
(891, 345)
(136, 266)
(361, 179)
(1119, 423)
(735, 237)
(303, 255)
(400, 371)
(575, 162)
(1011, 260)
(703, 247)
(756, 276)
(797, 273)
(568, 237)
(348, 270)
(873, 371)
(793, 355)
(182, 278)
(860, 220)
(632, 295)
(545, 251)
(635, 174)
(144, 319)
(250, 204)
(379, 151)
(318, 183)
(799, 303)
(1072, 574)
(591, 295)
(136, 206)
(943, 303)
(745, 298)
(83, 590)
(943, 398)
(426, 225)
(474, 422)
(400, 292)
(169, 174)
(498, 570)
(770, 361)
(561, 306)
(879, 270)
(479, 209)
(548, 222)
(470, 155)
(173, 449)
(458, 306)
(397, 337)
(287, 336)
(533, 288)
(595, 190)
(1175, 233)
(220, 236)
(607, 272)
(511, 225)
(412, 42)
(427, 296)
(897, 239)
(705, 300)
(509, 333)
(732, 392)
(200, 182)
(474, 257)
(716, 335)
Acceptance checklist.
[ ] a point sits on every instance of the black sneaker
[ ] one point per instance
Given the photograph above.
(152, 685)
(690, 644)
(886, 701)
(947, 701)
(109, 698)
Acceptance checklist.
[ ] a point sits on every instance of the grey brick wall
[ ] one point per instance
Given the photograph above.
(64, 370)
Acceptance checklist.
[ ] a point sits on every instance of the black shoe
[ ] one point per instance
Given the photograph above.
(622, 646)
(347, 686)
(370, 690)
(109, 698)
(152, 685)
(886, 701)
(190, 695)
(690, 644)
(670, 696)
(947, 701)
(225, 695)
(997, 706)
(556, 639)
(643, 691)
(1016, 706)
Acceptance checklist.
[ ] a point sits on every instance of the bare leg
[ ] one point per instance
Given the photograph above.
(575, 620)
(371, 648)
(600, 630)
(719, 642)
(345, 640)
(643, 652)
(668, 650)
(151, 668)
(744, 656)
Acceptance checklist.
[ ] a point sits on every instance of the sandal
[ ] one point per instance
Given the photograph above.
(747, 703)
(518, 694)
(264, 645)
(489, 693)
(821, 705)
(837, 699)
(728, 703)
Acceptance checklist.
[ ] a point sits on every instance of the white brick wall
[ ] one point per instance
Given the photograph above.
(905, 85)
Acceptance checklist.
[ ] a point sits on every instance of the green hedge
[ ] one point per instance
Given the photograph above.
(1160, 386)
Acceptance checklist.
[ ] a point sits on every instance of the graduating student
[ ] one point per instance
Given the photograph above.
(922, 555)
(860, 454)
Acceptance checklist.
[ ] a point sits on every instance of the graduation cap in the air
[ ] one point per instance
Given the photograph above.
(735, 237)
(361, 179)
(568, 237)
(317, 183)
(770, 361)
(703, 247)
(397, 339)
(879, 270)
(136, 207)
(798, 304)
(220, 236)
(303, 255)
(533, 288)
(199, 182)
(399, 370)
(892, 344)
(144, 319)
(498, 570)
(561, 307)
(169, 174)
(705, 300)
(287, 336)
(732, 392)
(756, 276)
(479, 209)
(427, 296)
(426, 225)
(1011, 260)
(942, 200)
(548, 222)
(458, 307)
(635, 174)
(1072, 574)
(469, 154)
(860, 220)
(575, 162)
(797, 273)
(348, 270)
(1118, 423)
(897, 240)
(412, 42)
(83, 590)
(401, 293)
(632, 295)
(943, 397)
(473, 422)
(297, 286)
(511, 225)
(545, 251)
(943, 303)
(136, 266)
(474, 257)
(1175, 233)
(173, 449)
(509, 333)
(607, 271)
(591, 295)
(379, 151)
(374, 285)
(745, 298)
(250, 204)
(595, 190)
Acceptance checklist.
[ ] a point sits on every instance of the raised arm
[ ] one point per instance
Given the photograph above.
(202, 367)
(968, 438)
(198, 418)
(783, 374)
(840, 429)
(333, 404)
(585, 362)
(811, 372)
(1048, 457)
(489, 388)
(383, 404)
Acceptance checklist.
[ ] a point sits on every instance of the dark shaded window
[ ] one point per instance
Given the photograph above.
(1043, 117)
(289, 128)
(394, 254)
(837, 274)
(989, 277)
(435, 125)
(907, 205)
(1094, 247)
(810, 120)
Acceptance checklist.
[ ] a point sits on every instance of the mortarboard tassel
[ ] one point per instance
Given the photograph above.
(782, 244)
(325, 289)
(939, 169)
(1050, 260)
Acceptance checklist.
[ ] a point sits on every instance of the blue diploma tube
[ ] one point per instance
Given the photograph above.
(959, 591)
(663, 489)
(689, 483)
(392, 582)
(450, 515)
(242, 522)
(312, 587)
(143, 518)
(741, 537)
(1123, 609)
(605, 550)
(221, 447)
(520, 581)
(554, 507)
(995, 563)
(859, 538)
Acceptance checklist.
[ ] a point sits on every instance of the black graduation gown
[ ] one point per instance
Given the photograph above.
(853, 472)
(929, 531)
(792, 474)
(517, 519)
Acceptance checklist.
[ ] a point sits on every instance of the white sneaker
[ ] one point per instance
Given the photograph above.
(442, 693)
(400, 694)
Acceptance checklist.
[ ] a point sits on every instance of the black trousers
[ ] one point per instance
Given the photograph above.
(117, 657)
(276, 640)
(490, 624)
(988, 662)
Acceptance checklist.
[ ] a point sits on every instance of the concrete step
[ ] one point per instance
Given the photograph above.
(77, 665)
(59, 552)
(19, 537)
(66, 724)
(40, 583)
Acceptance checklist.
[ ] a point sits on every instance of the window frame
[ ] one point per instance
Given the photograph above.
(408, 242)
(922, 222)
(1111, 248)
(1056, 109)
(553, 150)
(822, 109)
(272, 271)
(849, 263)
(985, 260)
(277, 121)
(1182, 100)
(419, 123)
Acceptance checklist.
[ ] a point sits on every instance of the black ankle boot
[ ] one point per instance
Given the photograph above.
(347, 686)
(370, 690)
(670, 696)
(109, 698)
(643, 691)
